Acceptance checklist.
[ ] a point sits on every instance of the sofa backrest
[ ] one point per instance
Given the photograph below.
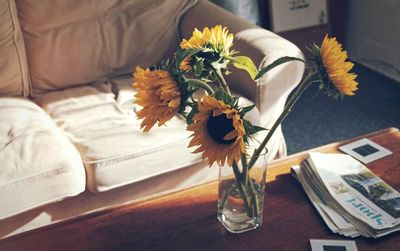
(74, 42)
(13, 74)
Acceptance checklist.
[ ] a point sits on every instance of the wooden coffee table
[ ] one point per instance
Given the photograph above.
(186, 220)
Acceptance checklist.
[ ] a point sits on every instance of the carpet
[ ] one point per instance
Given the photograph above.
(317, 119)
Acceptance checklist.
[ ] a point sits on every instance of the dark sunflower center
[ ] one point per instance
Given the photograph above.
(218, 127)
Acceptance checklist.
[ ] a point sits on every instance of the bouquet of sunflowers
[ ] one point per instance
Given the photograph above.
(193, 84)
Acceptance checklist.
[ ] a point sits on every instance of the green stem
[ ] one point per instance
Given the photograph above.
(242, 188)
(245, 172)
(222, 80)
(255, 206)
(201, 84)
(238, 177)
(246, 190)
(302, 87)
(225, 196)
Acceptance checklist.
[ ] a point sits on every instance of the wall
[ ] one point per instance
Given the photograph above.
(373, 35)
(247, 9)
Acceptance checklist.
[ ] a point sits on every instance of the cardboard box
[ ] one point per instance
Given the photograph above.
(287, 15)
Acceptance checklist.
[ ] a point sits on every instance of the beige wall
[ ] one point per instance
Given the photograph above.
(373, 35)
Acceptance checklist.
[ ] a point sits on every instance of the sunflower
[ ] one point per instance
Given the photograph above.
(158, 94)
(333, 68)
(217, 38)
(218, 132)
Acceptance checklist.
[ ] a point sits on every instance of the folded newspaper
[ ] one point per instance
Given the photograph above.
(349, 197)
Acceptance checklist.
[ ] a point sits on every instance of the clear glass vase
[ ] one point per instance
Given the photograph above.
(241, 195)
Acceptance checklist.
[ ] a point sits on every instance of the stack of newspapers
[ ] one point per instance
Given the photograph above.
(349, 197)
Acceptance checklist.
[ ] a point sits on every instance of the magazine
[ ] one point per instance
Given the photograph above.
(350, 198)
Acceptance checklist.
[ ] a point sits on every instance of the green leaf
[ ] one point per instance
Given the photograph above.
(250, 128)
(245, 63)
(198, 68)
(246, 109)
(259, 128)
(277, 62)
(165, 65)
(182, 54)
(235, 101)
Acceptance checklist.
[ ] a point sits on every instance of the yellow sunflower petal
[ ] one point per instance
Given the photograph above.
(158, 94)
(337, 68)
(217, 37)
(186, 64)
(233, 134)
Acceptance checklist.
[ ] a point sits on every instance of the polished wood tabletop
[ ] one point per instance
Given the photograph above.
(186, 220)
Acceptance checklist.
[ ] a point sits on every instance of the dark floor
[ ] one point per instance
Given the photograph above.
(317, 119)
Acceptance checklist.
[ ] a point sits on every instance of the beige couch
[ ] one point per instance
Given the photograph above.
(70, 143)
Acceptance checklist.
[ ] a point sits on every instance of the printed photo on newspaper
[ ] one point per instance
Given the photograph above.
(349, 197)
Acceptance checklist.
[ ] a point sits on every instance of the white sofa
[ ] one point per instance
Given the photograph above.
(70, 143)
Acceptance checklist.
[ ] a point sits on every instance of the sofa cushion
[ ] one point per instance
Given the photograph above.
(13, 70)
(39, 164)
(72, 42)
(113, 148)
